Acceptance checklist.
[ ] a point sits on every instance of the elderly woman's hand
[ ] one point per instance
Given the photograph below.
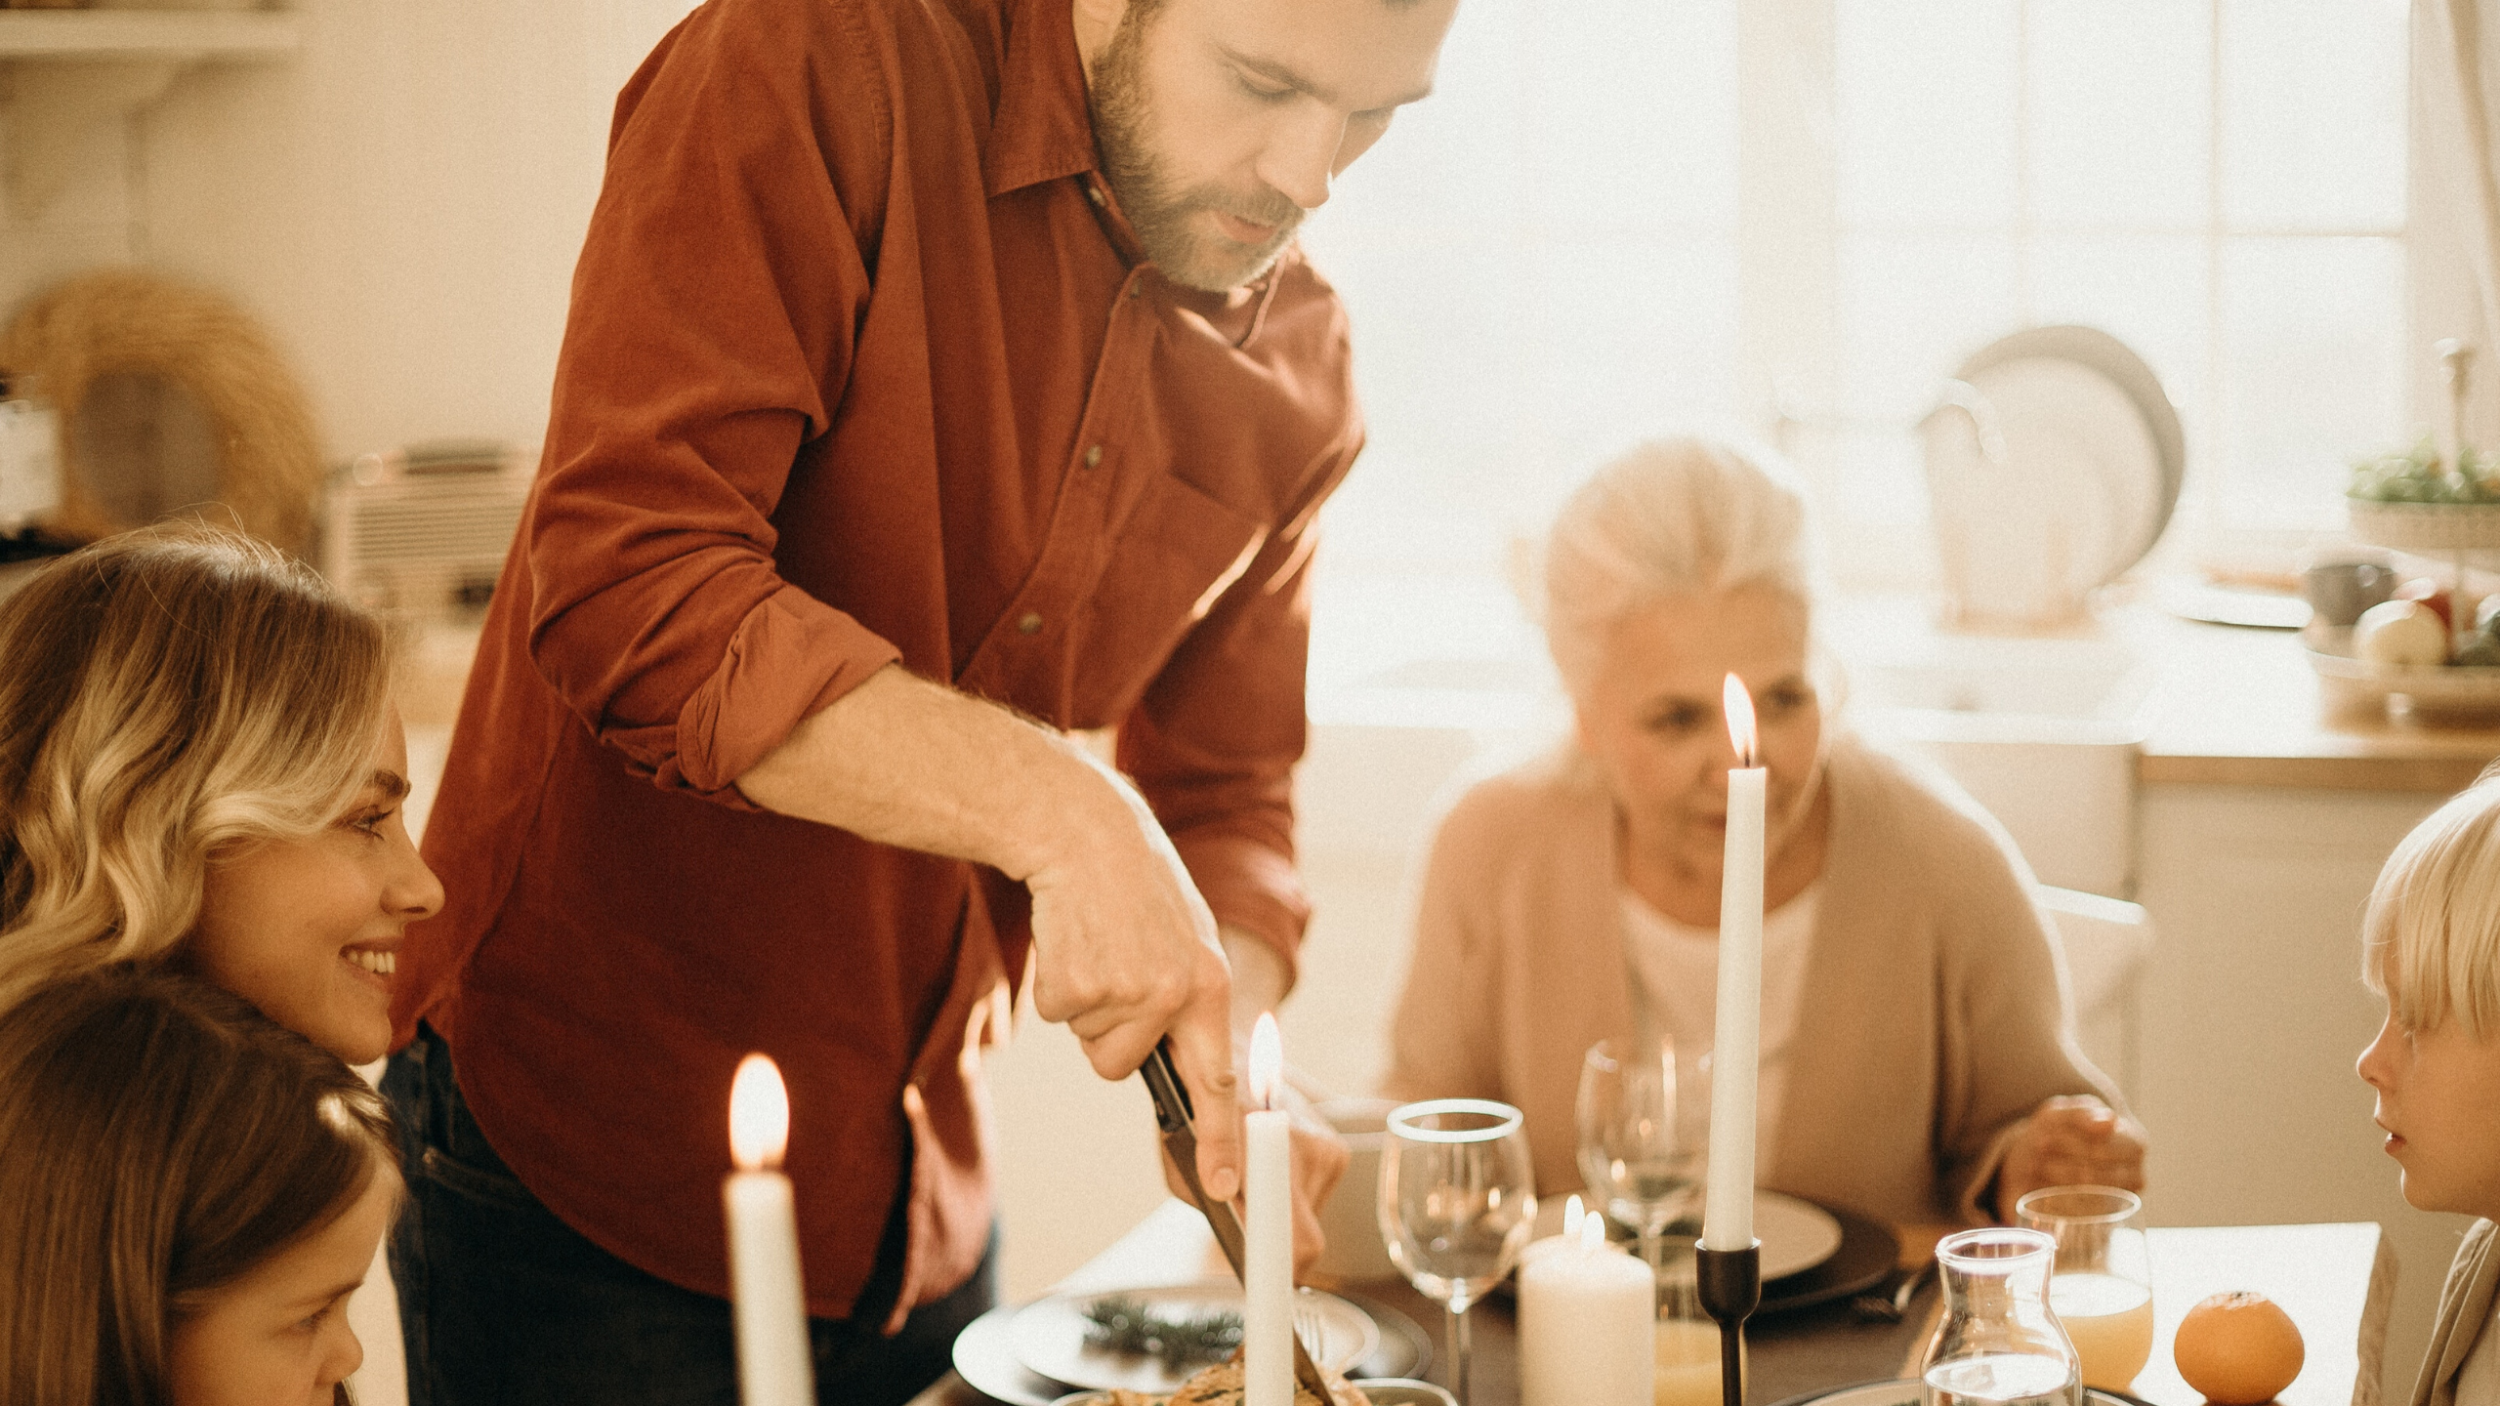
(2072, 1140)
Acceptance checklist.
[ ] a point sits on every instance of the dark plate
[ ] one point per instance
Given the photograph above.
(1908, 1391)
(1866, 1256)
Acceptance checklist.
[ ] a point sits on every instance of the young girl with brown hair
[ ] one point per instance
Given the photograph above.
(188, 1195)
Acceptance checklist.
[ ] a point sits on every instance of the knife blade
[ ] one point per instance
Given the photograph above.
(1175, 1117)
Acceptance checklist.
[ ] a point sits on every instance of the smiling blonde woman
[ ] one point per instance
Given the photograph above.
(200, 764)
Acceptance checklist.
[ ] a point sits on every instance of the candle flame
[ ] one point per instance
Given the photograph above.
(1267, 1060)
(1573, 1214)
(759, 1114)
(1738, 705)
(1592, 1234)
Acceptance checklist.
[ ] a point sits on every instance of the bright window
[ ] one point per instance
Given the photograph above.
(1795, 217)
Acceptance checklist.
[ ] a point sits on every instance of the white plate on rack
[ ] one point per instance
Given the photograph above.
(2087, 463)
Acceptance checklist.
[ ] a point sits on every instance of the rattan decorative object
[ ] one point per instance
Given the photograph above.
(2427, 528)
(269, 466)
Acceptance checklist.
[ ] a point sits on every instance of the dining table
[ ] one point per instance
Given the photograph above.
(2335, 1280)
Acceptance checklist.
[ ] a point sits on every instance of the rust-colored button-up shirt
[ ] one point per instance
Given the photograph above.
(862, 366)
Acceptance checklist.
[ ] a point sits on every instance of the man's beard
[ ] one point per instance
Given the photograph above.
(1163, 216)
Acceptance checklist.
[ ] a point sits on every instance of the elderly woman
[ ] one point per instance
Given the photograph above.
(1917, 1059)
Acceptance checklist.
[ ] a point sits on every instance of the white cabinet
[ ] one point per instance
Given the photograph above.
(2254, 1014)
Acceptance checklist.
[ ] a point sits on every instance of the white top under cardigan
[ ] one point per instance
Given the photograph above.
(1933, 1017)
(1678, 967)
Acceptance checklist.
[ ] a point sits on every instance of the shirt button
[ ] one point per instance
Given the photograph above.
(1094, 194)
(1093, 455)
(1136, 286)
(1030, 624)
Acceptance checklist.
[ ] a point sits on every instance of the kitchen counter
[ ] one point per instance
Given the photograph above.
(2242, 707)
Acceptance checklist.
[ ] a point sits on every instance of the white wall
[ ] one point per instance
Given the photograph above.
(400, 203)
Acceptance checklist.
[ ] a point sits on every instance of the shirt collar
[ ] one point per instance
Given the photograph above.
(1043, 128)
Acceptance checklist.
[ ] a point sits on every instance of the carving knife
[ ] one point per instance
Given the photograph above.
(1176, 1118)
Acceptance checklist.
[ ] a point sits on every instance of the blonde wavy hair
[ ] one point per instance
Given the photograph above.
(2430, 939)
(167, 695)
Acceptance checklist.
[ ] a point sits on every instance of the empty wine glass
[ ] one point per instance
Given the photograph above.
(1457, 1203)
(1641, 1150)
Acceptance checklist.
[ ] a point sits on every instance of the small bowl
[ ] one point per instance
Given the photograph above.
(1383, 1391)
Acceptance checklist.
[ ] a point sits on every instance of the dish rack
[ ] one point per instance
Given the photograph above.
(422, 532)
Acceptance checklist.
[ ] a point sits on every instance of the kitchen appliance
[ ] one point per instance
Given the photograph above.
(421, 532)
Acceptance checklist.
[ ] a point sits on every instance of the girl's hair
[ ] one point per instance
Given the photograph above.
(167, 693)
(2430, 940)
(1672, 517)
(159, 1139)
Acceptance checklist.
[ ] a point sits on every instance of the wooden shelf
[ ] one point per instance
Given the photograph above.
(147, 34)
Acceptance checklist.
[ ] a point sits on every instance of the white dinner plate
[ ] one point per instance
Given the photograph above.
(1049, 1335)
(1796, 1235)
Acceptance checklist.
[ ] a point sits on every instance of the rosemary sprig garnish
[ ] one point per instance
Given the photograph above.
(1119, 1323)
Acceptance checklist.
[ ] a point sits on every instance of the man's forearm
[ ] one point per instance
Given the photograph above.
(1260, 978)
(914, 764)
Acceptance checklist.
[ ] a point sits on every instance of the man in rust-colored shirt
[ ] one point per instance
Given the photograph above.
(941, 377)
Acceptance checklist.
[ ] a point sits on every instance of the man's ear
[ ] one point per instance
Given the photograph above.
(1096, 22)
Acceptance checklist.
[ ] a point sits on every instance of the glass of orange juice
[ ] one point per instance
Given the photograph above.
(2102, 1287)
(1688, 1340)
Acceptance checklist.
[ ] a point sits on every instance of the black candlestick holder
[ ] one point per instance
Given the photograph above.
(1730, 1285)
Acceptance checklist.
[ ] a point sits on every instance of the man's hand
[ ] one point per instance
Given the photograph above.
(2072, 1140)
(1319, 1162)
(1125, 951)
(1125, 954)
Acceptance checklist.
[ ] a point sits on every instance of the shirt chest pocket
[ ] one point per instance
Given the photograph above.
(1170, 562)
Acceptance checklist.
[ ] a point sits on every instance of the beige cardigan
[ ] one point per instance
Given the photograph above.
(2465, 1302)
(1934, 1015)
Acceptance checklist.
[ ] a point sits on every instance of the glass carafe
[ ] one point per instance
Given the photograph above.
(1998, 1344)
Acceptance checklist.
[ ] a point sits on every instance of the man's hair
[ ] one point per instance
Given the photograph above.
(159, 1139)
(1672, 517)
(166, 694)
(2430, 939)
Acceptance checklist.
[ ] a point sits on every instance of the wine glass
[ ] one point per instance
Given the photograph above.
(1641, 1149)
(2102, 1287)
(1457, 1203)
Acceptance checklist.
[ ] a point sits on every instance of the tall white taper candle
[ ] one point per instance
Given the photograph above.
(1727, 1208)
(1267, 1258)
(767, 1304)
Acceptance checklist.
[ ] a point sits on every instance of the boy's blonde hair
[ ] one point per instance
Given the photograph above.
(2430, 941)
(166, 695)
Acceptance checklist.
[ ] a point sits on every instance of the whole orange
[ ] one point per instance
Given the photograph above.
(2238, 1348)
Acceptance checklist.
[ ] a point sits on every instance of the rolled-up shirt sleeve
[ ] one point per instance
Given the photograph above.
(714, 313)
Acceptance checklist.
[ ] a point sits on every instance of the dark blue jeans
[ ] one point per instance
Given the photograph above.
(500, 1301)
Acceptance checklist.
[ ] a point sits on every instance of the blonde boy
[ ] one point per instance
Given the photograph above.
(2431, 946)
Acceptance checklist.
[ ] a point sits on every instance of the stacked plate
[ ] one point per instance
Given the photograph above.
(1810, 1254)
(2053, 465)
(1036, 1354)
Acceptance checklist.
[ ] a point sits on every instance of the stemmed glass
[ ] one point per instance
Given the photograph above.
(1457, 1204)
(1641, 1147)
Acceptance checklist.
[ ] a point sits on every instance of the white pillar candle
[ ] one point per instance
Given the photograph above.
(1267, 1258)
(1587, 1325)
(1727, 1208)
(767, 1303)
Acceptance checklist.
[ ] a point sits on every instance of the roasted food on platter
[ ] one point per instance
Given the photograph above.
(1220, 1385)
